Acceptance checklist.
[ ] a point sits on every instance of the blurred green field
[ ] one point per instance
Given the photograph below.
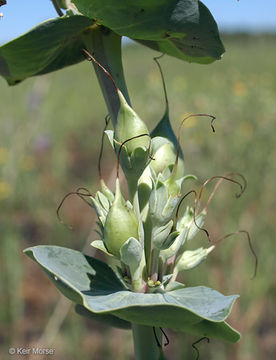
(50, 132)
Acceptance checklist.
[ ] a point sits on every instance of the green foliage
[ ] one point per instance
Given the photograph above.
(137, 239)
(34, 180)
(49, 46)
(94, 285)
(184, 29)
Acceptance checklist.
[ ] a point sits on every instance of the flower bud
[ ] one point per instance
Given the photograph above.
(190, 224)
(191, 258)
(134, 154)
(120, 224)
(165, 156)
(129, 125)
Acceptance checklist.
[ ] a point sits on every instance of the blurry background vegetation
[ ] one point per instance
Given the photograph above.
(50, 133)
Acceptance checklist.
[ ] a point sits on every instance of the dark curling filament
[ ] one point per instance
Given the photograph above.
(157, 340)
(198, 341)
(220, 178)
(180, 128)
(104, 70)
(120, 149)
(81, 195)
(249, 244)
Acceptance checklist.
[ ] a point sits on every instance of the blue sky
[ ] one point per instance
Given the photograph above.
(231, 15)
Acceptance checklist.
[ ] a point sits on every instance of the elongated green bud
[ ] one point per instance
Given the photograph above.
(131, 141)
(165, 156)
(191, 258)
(120, 224)
(129, 125)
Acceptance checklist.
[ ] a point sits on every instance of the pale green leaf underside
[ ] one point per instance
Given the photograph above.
(93, 284)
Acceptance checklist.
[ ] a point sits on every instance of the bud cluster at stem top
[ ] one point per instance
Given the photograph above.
(143, 233)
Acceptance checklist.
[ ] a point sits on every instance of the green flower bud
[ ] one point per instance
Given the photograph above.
(191, 258)
(187, 223)
(129, 125)
(173, 185)
(174, 247)
(160, 235)
(120, 224)
(161, 204)
(165, 156)
(134, 155)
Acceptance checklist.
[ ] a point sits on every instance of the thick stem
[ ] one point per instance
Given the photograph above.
(145, 345)
(105, 46)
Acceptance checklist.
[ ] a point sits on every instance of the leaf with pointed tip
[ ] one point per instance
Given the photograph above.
(49, 46)
(181, 28)
(94, 285)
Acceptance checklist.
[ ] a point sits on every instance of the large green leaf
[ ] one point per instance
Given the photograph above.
(93, 284)
(182, 28)
(49, 46)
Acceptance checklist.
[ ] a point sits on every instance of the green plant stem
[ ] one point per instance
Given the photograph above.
(145, 345)
(105, 46)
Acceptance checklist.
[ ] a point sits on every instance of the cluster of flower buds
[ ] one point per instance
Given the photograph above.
(145, 233)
